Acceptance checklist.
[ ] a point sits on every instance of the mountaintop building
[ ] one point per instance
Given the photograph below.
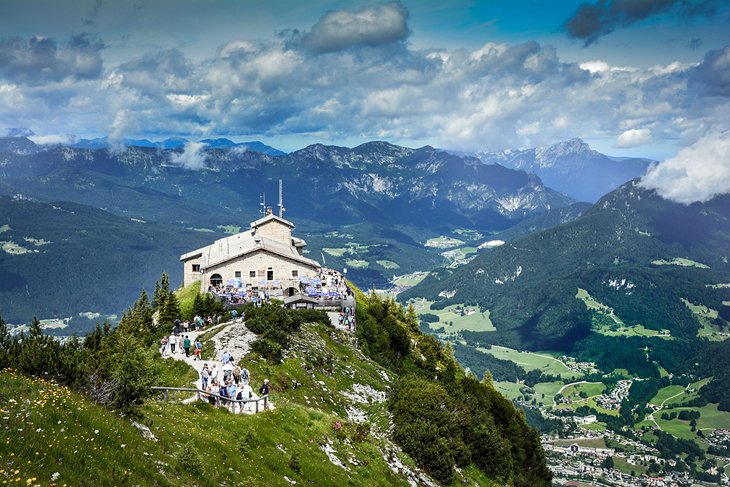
(264, 258)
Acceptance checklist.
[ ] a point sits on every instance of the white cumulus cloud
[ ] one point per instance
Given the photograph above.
(192, 156)
(371, 26)
(53, 139)
(696, 174)
(633, 138)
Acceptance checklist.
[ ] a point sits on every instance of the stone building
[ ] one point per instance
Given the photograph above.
(266, 256)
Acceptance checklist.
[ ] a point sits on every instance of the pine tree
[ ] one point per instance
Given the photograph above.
(5, 341)
(39, 354)
(198, 306)
(169, 311)
(412, 318)
(162, 290)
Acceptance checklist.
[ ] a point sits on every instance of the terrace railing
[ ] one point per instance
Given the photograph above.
(219, 400)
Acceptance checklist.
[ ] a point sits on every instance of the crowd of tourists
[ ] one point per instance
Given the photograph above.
(231, 294)
(228, 384)
(329, 284)
(347, 318)
(198, 323)
(181, 344)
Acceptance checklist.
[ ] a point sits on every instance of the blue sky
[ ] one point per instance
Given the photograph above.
(631, 77)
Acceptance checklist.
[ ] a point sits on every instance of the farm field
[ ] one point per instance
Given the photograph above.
(229, 229)
(443, 242)
(688, 396)
(665, 393)
(510, 390)
(387, 264)
(476, 321)
(591, 389)
(547, 388)
(357, 263)
(410, 279)
(706, 317)
(607, 323)
(584, 442)
(682, 262)
(531, 361)
(626, 467)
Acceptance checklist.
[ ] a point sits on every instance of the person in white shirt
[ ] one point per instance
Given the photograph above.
(227, 371)
(245, 392)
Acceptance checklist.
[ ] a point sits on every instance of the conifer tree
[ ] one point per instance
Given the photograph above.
(162, 289)
(412, 318)
(4, 344)
(169, 311)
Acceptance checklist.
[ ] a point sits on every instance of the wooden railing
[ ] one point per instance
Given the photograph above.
(219, 400)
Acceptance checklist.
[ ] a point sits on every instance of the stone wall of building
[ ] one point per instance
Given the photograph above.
(259, 263)
(189, 274)
(276, 231)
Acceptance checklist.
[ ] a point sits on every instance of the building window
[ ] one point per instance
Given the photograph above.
(295, 273)
(216, 280)
(196, 267)
(270, 274)
(238, 274)
(251, 273)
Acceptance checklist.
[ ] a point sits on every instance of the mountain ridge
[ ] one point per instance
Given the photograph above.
(530, 284)
(572, 167)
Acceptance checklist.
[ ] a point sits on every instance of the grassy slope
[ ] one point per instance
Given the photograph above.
(222, 448)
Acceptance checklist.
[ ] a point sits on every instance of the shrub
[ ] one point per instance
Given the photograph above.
(188, 460)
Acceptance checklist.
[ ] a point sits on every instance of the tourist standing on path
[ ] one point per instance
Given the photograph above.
(236, 374)
(264, 389)
(163, 347)
(204, 376)
(227, 371)
(186, 346)
(173, 342)
(198, 349)
(214, 373)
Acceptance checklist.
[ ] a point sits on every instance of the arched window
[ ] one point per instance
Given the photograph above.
(216, 280)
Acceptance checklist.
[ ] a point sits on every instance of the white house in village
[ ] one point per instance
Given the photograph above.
(266, 256)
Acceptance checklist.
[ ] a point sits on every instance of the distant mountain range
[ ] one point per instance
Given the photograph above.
(177, 143)
(572, 167)
(646, 259)
(376, 181)
(370, 208)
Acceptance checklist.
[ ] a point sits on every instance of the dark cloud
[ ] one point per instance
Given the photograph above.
(593, 20)
(370, 26)
(157, 74)
(40, 60)
(712, 75)
(694, 43)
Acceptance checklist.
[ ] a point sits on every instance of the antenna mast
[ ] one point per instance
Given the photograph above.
(262, 203)
(281, 199)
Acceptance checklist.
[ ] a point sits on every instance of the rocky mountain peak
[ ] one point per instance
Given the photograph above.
(573, 149)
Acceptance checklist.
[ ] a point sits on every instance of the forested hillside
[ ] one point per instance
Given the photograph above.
(636, 254)
(62, 259)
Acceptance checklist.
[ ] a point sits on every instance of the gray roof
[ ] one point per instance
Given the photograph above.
(228, 248)
(269, 218)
